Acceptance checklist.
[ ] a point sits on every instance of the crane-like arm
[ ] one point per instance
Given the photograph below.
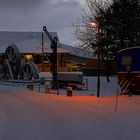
(47, 33)
(53, 57)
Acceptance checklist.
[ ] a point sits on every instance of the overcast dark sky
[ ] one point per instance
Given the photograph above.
(31, 15)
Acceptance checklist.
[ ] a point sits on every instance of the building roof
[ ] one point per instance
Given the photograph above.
(30, 42)
(27, 42)
(78, 51)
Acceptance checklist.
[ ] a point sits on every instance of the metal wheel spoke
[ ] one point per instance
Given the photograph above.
(25, 72)
(29, 71)
(13, 55)
(30, 75)
(16, 67)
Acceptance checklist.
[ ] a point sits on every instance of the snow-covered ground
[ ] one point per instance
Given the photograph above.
(32, 115)
(106, 88)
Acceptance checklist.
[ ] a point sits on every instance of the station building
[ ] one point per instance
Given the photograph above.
(69, 58)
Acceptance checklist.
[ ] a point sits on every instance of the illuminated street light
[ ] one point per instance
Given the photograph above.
(43, 46)
(95, 24)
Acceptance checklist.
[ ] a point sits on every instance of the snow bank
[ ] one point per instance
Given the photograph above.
(48, 116)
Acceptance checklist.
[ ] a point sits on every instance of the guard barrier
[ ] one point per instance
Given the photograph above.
(124, 84)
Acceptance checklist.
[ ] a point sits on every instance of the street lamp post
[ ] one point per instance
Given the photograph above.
(95, 24)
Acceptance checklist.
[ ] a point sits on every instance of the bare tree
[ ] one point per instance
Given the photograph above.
(85, 34)
(119, 22)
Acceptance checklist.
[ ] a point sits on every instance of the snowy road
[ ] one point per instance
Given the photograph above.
(31, 116)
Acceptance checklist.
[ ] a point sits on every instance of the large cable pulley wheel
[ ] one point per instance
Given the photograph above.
(13, 56)
(29, 71)
(16, 68)
(8, 74)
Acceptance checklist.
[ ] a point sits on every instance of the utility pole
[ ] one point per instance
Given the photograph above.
(95, 24)
(98, 47)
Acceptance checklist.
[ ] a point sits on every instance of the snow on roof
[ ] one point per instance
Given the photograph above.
(37, 48)
(27, 42)
(131, 48)
(30, 42)
(78, 51)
